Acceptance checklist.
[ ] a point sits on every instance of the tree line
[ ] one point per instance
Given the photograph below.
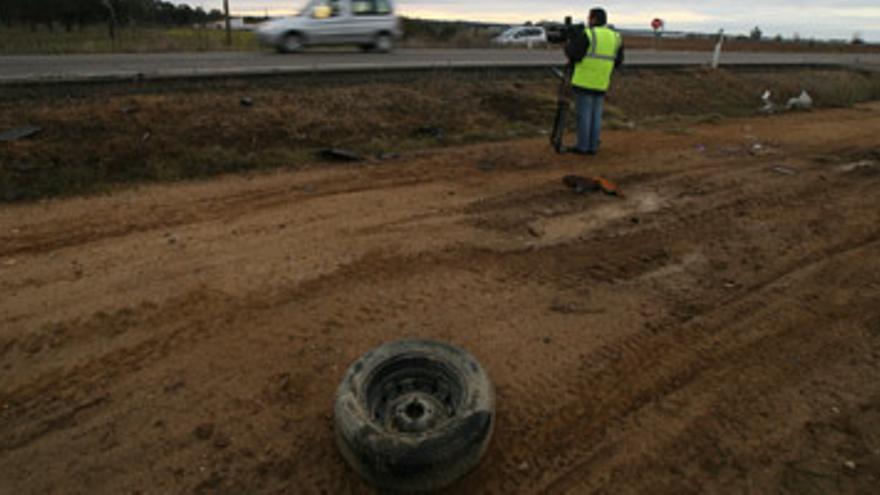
(71, 14)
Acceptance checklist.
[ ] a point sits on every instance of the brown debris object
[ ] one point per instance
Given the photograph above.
(583, 185)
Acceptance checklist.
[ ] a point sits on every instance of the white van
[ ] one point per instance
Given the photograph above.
(370, 24)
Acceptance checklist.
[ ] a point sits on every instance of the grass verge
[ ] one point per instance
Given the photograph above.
(95, 39)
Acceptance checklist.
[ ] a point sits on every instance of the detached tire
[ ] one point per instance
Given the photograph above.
(414, 415)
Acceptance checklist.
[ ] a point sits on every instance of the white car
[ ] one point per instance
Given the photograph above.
(370, 24)
(522, 35)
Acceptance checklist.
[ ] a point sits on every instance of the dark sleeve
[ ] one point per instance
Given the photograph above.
(576, 48)
(620, 57)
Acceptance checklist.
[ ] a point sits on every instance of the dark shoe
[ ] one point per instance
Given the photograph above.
(574, 150)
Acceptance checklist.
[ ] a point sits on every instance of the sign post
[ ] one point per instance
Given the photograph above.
(228, 23)
(657, 25)
(716, 56)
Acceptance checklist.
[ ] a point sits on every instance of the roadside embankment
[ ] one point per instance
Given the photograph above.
(94, 138)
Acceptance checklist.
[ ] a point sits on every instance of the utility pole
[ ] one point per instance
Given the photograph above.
(111, 19)
(228, 23)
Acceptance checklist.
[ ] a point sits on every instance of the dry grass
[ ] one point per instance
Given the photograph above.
(95, 39)
(101, 138)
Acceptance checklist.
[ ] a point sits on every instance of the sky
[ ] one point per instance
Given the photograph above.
(821, 19)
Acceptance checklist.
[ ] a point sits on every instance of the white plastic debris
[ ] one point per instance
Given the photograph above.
(769, 106)
(802, 102)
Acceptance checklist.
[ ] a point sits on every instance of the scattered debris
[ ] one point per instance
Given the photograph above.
(221, 442)
(23, 132)
(769, 106)
(10, 262)
(758, 149)
(486, 166)
(247, 101)
(130, 110)
(536, 230)
(582, 185)
(563, 308)
(22, 167)
(852, 167)
(546, 340)
(387, 156)
(850, 465)
(701, 148)
(802, 102)
(524, 466)
(430, 131)
(204, 431)
(146, 137)
(784, 170)
(340, 155)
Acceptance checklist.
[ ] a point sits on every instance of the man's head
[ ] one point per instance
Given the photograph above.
(598, 17)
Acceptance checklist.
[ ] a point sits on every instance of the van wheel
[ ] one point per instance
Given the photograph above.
(292, 43)
(414, 415)
(384, 43)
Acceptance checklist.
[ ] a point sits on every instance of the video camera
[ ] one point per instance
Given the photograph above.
(559, 34)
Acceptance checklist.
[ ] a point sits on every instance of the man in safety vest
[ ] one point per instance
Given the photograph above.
(595, 53)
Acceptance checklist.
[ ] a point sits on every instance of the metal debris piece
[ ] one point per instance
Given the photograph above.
(784, 170)
(247, 101)
(340, 155)
(23, 132)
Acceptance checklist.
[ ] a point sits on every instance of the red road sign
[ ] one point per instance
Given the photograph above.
(657, 24)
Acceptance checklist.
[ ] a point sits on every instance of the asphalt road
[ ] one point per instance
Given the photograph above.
(20, 69)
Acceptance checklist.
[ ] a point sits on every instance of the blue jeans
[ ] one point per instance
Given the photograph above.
(589, 120)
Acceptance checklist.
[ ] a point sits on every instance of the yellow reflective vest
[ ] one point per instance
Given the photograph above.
(594, 71)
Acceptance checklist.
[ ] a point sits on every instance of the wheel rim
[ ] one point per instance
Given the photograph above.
(384, 43)
(413, 394)
(292, 43)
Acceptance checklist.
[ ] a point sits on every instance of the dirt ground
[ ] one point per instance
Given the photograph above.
(715, 331)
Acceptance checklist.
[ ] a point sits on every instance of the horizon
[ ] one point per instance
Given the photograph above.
(836, 20)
